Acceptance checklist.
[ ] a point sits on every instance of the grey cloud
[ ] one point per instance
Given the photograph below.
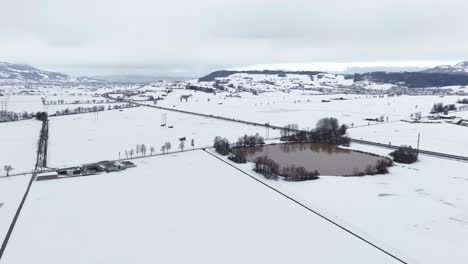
(198, 35)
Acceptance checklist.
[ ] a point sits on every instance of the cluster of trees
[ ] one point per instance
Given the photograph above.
(92, 109)
(267, 167)
(238, 157)
(271, 170)
(202, 89)
(166, 147)
(7, 169)
(405, 154)
(289, 129)
(463, 101)
(416, 115)
(293, 173)
(41, 116)
(222, 145)
(250, 141)
(441, 108)
(327, 130)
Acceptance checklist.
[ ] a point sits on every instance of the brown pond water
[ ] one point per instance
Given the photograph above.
(325, 158)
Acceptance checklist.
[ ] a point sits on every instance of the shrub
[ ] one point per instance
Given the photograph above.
(382, 166)
(405, 154)
(267, 167)
(238, 158)
(293, 173)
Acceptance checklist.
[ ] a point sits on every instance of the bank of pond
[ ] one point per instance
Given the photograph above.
(306, 161)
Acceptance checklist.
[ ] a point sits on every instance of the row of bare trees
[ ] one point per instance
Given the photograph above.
(141, 150)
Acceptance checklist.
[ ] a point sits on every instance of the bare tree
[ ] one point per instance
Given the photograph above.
(168, 146)
(143, 149)
(137, 149)
(192, 143)
(7, 169)
(182, 145)
(151, 150)
(163, 148)
(131, 153)
(126, 153)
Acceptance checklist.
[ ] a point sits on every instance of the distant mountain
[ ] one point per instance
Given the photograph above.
(460, 68)
(23, 72)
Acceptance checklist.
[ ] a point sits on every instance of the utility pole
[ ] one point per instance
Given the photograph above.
(164, 120)
(419, 137)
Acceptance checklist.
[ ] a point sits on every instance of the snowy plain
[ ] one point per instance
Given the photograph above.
(303, 107)
(419, 211)
(12, 190)
(171, 209)
(192, 204)
(443, 137)
(78, 139)
(18, 144)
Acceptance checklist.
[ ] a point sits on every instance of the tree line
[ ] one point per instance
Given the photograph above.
(92, 109)
(327, 130)
(441, 108)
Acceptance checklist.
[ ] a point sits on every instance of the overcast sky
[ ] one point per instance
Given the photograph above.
(193, 37)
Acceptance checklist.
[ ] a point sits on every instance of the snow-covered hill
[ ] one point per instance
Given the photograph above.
(459, 68)
(283, 81)
(23, 72)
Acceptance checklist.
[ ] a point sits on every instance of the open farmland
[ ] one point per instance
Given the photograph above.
(303, 107)
(12, 190)
(18, 144)
(443, 137)
(78, 139)
(426, 201)
(184, 212)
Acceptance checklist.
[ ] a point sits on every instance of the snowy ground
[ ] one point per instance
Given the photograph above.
(78, 139)
(172, 209)
(12, 190)
(445, 138)
(303, 108)
(418, 210)
(18, 145)
(33, 103)
(192, 208)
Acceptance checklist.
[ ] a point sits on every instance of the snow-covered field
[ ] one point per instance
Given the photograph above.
(18, 145)
(179, 208)
(12, 190)
(78, 139)
(419, 211)
(304, 108)
(443, 137)
(190, 207)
